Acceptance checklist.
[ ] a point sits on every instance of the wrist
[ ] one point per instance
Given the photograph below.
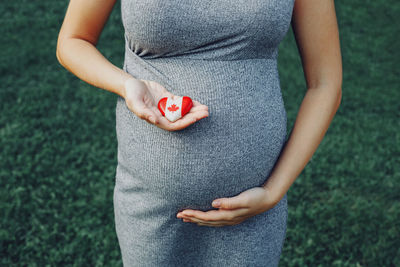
(274, 195)
(129, 81)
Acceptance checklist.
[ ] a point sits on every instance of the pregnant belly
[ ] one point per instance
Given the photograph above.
(232, 150)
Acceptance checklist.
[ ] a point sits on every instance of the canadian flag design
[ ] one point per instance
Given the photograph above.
(174, 109)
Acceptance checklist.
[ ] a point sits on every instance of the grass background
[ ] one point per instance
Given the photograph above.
(58, 147)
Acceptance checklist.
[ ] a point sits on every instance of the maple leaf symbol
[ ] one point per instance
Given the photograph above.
(173, 108)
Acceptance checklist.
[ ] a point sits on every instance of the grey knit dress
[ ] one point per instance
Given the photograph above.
(222, 53)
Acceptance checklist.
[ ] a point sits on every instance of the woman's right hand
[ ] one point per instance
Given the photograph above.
(142, 96)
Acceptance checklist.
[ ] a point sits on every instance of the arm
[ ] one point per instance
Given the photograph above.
(76, 51)
(76, 45)
(315, 27)
(317, 37)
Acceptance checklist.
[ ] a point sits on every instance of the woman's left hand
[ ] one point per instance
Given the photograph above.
(233, 210)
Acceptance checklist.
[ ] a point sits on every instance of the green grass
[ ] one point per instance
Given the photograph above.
(58, 147)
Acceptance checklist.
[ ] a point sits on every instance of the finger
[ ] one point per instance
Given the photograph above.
(182, 123)
(192, 117)
(157, 112)
(158, 117)
(213, 223)
(216, 215)
(206, 224)
(195, 220)
(220, 224)
(199, 114)
(198, 108)
(148, 115)
(145, 113)
(231, 203)
(189, 119)
(164, 123)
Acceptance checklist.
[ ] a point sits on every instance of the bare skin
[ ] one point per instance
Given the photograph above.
(315, 26)
(77, 52)
(142, 97)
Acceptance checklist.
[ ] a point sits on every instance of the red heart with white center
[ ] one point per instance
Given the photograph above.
(174, 109)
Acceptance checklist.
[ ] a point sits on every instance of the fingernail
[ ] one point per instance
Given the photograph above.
(216, 203)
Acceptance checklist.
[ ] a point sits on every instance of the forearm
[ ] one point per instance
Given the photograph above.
(315, 114)
(84, 60)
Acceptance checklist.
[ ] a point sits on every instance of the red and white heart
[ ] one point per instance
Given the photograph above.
(174, 109)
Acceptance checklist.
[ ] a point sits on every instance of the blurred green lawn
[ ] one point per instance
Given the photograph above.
(58, 147)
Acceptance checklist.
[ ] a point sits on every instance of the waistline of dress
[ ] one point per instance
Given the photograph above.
(183, 57)
(151, 64)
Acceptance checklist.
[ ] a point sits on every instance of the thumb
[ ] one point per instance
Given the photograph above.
(228, 203)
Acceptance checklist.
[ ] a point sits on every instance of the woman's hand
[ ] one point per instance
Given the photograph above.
(232, 210)
(142, 98)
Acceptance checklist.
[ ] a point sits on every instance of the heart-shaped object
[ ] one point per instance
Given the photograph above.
(174, 109)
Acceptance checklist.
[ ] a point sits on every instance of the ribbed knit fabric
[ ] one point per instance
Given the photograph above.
(224, 55)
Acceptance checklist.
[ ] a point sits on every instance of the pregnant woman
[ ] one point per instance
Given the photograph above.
(232, 146)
